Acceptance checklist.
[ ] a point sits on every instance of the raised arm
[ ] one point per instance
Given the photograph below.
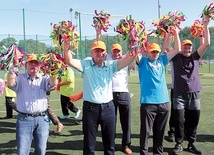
(75, 63)
(11, 76)
(98, 33)
(166, 46)
(203, 47)
(177, 45)
(125, 61)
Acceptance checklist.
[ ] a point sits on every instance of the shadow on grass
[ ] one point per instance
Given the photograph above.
(205, 138)
(67, 144)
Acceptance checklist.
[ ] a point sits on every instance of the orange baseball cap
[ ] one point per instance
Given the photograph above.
(98, 44)
(31, 57)
(153, 47)
(116, 46)
(185, 42)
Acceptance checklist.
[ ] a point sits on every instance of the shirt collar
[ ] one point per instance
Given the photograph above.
(36, 77)
(105, 64)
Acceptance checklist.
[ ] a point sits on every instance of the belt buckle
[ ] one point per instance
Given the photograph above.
(39, 114)
(43, 113)
(34, 114)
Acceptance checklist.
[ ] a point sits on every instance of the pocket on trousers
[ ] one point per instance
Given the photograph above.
(21, 117)
(124, 98)
(46, 118)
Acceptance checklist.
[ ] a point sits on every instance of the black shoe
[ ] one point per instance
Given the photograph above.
(6, 117)
(170, 138)
(193, 148)
(177, 149)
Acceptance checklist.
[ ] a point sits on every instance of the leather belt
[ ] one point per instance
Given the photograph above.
(35, 114)
(87, 103)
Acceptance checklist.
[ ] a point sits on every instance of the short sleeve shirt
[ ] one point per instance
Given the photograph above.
(186, 73)
(97, 81)
(120, 79)
(68, 76)
(152, 80)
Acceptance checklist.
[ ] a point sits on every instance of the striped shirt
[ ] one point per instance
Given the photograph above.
(31, 94)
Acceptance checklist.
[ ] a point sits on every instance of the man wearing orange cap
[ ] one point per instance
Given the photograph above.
(98, 107)
(154, 97)
(121, 98)
(32, 120)
(187, 86)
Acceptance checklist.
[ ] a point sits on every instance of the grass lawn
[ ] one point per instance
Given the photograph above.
(70, 140)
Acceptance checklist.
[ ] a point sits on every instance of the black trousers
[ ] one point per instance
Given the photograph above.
(171, 118)
(186, 116)
(153, 116)
(93, 116)
(10, 106)
(122, 102)
(66, 105)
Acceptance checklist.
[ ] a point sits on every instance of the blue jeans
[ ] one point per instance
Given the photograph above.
(28, 127)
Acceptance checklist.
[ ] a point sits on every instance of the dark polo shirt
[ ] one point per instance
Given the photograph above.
(186, 73)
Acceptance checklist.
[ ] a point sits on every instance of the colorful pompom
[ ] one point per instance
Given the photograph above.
(65, 31)
(52, 64)
(7, 57)
(164, 24)
(101, 20)
(135, 34)
(208, 11)
(197, 30)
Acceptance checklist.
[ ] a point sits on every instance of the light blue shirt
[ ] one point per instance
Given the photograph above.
(31, 94)
(152, 80)
(97, 81)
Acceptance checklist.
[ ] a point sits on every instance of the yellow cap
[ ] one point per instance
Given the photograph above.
(98, 44)
(153, 47)
(116, 46)
(185, 42)
(32, 57)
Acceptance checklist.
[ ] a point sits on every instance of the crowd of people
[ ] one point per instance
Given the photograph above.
(105, 92)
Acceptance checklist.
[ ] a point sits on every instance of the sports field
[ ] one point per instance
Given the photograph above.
(69, 141)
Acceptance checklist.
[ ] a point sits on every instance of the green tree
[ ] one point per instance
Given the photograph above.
(7, 42)
(33, 46)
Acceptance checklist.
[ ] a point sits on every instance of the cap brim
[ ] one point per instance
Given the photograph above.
(98, 48)
(154, 50)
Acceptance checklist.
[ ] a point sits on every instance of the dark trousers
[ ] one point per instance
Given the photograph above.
(153, 116)
(171, 118)
(187, 119)
(186, 116)
(67, 104)
(10, 106)
(122, 102)
(93, 116)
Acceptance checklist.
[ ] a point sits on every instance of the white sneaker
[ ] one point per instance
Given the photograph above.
(77, 114)
(64, 116)
(131, 95)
